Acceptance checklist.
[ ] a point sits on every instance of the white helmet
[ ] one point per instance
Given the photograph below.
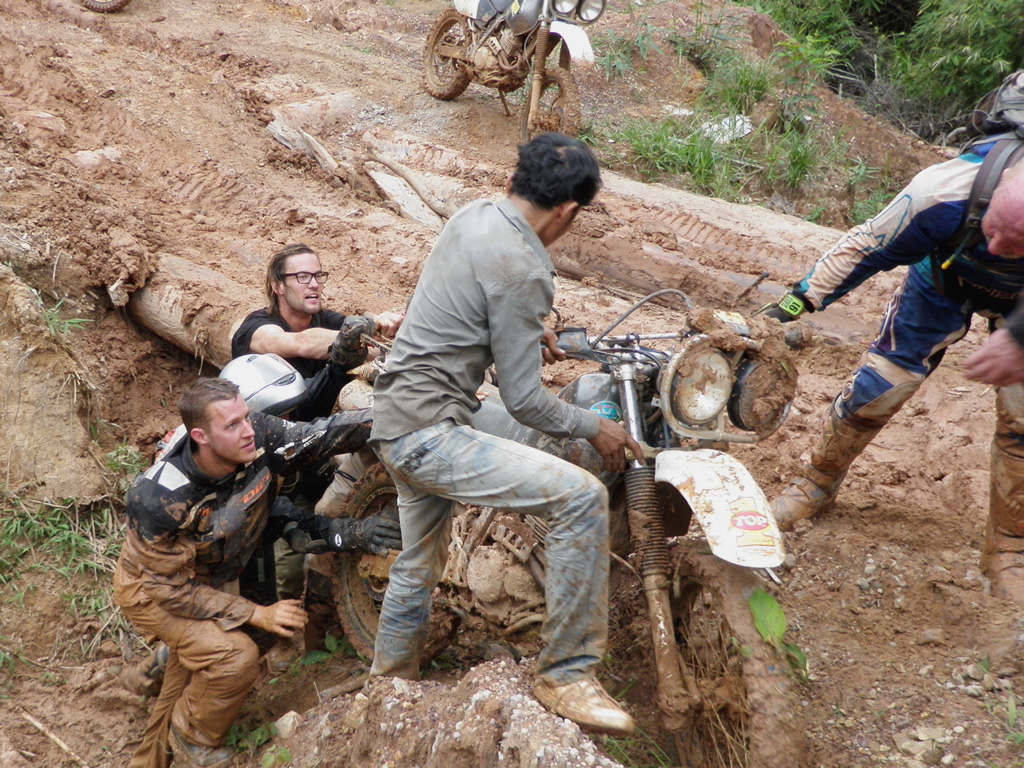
(268, 383)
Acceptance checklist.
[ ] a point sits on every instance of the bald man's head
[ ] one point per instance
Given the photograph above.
(1003, 223)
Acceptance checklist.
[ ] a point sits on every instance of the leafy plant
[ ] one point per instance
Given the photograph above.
(706, 44)
(276, 756)
(771, 625)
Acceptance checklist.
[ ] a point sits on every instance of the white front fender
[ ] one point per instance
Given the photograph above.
(728, 503)
(576, 39)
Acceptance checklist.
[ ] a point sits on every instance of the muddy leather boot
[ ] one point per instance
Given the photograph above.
(199, 756)
(146, 676)
(1002, 557)
(842, 440)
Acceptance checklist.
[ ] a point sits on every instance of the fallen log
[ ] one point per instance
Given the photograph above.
(193, 307)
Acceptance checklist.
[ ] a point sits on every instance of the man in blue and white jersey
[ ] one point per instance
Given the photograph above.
(931, 310)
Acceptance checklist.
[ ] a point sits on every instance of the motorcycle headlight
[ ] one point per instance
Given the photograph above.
(565, 7)
(762, 394)
(590, 10)
(695, 385)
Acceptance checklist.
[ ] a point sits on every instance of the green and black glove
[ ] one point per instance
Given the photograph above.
(789, 308)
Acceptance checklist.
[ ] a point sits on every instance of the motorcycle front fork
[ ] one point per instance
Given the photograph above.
(676, 691)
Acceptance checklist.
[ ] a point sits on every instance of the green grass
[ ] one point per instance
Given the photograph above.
(640, 751)
(79, 543)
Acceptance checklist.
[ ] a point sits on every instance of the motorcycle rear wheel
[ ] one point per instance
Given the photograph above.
(105, 6)
(748, 713)
(444, 77)
(559, 108)
(359, 579)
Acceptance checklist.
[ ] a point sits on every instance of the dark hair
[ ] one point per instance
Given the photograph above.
(554, 168)
(275, 269)
(197, 397)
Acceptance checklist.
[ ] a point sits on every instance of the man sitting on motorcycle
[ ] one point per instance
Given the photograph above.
(482, 298)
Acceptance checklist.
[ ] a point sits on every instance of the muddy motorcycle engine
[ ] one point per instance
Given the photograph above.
(499, 576)
(499, 62)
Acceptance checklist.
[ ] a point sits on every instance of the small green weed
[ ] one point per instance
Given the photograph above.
(276, 755)
(1008, 710)
(58, 327)
(125, 462)
(706, 44)
(242, 740)
(616, 58)
(771, 625)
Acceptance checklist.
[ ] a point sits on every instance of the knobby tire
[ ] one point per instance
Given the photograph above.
(445, 78)
(748, 716)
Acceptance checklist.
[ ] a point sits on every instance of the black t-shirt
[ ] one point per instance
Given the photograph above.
(325, 318)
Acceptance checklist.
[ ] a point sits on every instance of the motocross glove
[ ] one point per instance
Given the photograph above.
(375, 534)
(787, 310)
(348, 349)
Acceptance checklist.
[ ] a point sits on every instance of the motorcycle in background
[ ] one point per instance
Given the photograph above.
(504, 44)
(722, 690)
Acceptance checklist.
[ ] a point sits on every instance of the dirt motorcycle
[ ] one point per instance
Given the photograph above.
(722, 691)
(504, 44)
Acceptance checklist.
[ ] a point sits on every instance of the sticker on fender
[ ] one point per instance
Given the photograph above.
(751, 526)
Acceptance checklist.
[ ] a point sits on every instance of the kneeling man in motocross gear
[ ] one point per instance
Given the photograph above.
(194, 520)
(482, 298)
(932, 309)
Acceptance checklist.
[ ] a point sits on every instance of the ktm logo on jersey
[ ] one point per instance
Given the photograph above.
(261, 485)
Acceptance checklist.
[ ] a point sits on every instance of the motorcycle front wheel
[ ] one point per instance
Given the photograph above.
(746, 712)
(445, 77)
(559, 107)
(105, 6)
(360, 579)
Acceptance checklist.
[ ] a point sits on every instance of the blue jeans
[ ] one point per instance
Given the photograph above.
(438, 465)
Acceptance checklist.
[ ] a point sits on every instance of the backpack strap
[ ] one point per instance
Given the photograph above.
(1005, 152)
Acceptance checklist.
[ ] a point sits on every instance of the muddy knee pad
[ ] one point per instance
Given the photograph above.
(876, 392)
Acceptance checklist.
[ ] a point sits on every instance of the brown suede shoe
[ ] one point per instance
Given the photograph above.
(200, 756)
(587, 704)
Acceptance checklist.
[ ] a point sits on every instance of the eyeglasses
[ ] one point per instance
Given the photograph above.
(304, 278)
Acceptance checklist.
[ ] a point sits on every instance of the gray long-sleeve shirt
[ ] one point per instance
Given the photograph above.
(482, 297)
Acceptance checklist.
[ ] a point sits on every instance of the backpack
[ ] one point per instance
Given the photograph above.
(998, 119)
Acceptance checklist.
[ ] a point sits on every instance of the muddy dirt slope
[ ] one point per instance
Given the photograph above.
(135, 141)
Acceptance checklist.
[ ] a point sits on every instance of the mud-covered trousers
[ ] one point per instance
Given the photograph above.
(209, 673)
(438, 465)
(919, 325)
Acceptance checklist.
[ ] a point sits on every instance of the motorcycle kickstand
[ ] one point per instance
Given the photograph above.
(501, 95)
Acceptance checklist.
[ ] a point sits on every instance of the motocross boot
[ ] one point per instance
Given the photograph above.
(197, 755)
(587, 704)
(1002, 556)
(146, 676)
(842, 440)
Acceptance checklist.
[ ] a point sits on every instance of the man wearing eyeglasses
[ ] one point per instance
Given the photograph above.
(323, 345)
